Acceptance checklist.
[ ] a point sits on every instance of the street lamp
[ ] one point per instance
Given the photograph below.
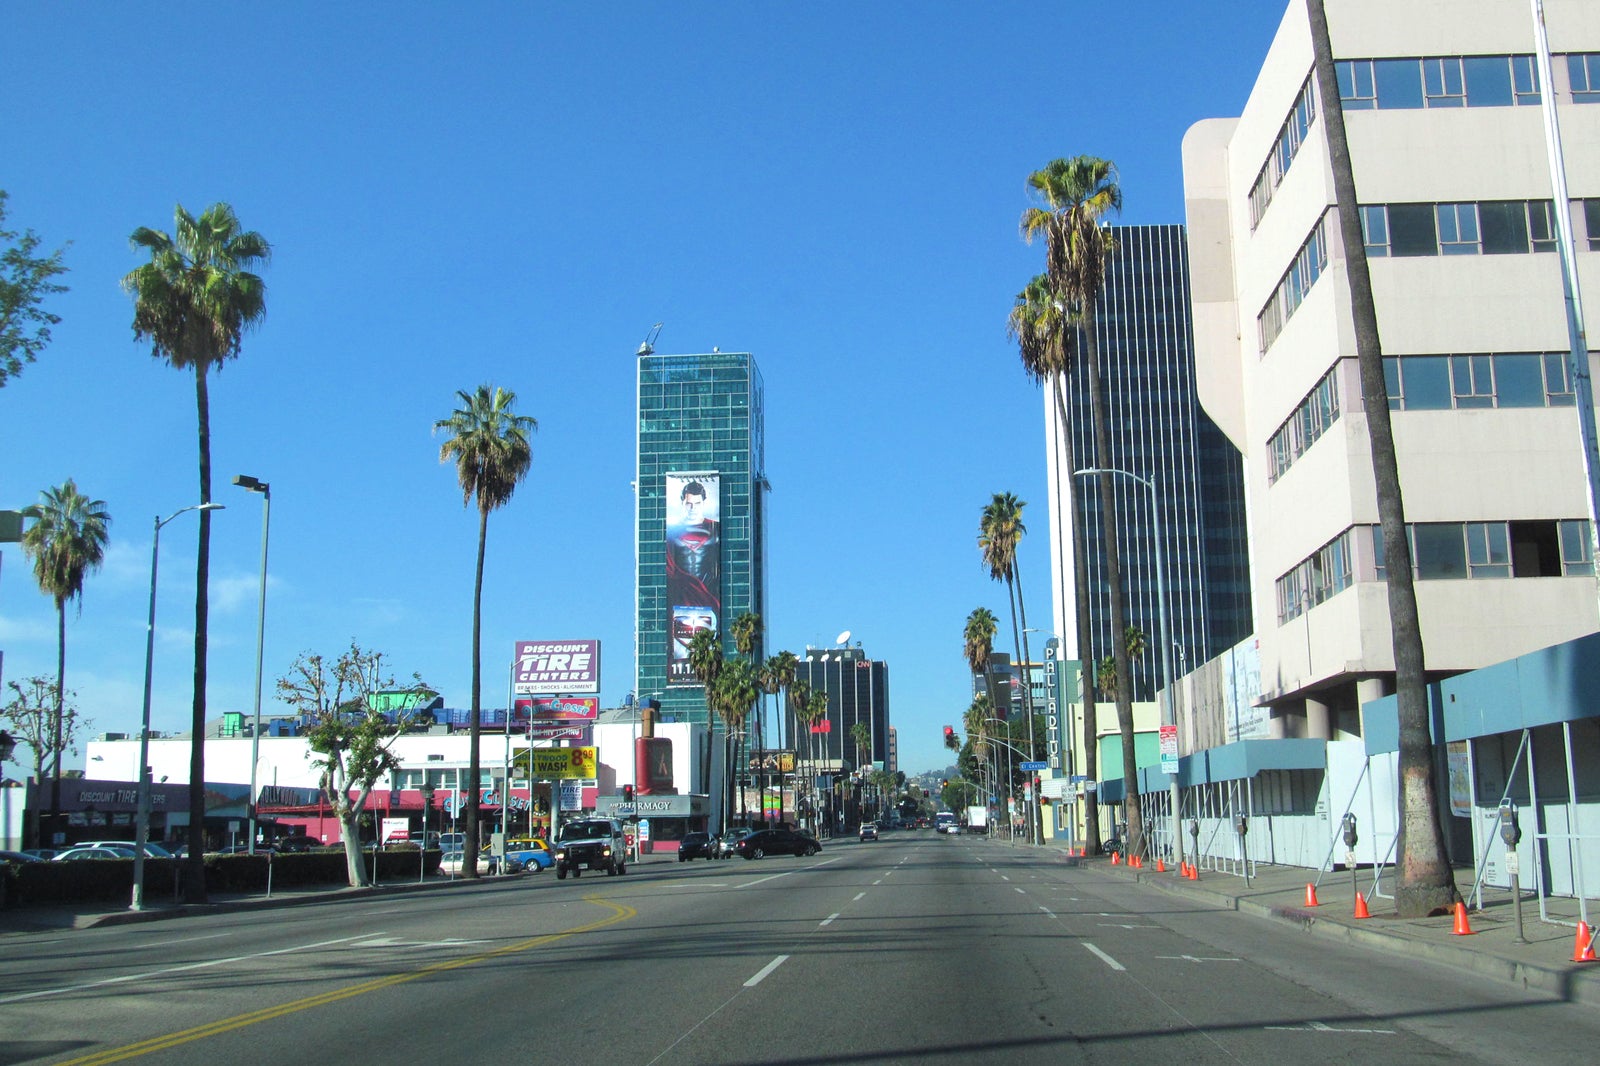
(142, 819)
(8, 744)
(1168, 712)
(245, 481)
(427, 805)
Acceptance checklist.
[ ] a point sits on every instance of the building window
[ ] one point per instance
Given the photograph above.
(1399, 83)
(1575, 555)
(1591, 222)
(1524, 81)
(1488, 550)
(1315, 415)
(1458, 229)
(1357, 92)
(1412, 231)
(1308, 265)
(1500, 379)
(1583, 72)
(1375, 230)
(1442, 82)
(1557, 385)
(1324, 574)
(1472, 380)
(1291, 135)
(1439, 549)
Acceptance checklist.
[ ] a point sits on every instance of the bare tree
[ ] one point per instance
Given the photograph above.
(47, 725)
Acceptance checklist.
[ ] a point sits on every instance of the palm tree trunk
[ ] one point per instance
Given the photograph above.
(1080, 581)
(1113, 576)
(61, 688)
(1426, 884)
(1035, 831)
(469, 853)
(194, 870)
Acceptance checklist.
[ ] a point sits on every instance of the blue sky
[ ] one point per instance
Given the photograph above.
(514, 194)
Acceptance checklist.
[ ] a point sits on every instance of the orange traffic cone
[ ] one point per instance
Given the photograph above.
(1311, 895)
(1114, 859)
(1462, 928)
(1161, 866)
(1583, 950)
(1194, 872)
(1361, 907)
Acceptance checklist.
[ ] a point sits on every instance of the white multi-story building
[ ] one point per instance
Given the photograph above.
(1448, 147)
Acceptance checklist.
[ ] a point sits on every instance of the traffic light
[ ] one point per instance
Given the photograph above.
(949, 731)
(627, 793)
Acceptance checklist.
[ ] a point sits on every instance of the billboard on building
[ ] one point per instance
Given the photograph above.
(556, 666)
(538, 710)
(694, 566)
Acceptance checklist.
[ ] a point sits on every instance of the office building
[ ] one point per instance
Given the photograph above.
(700, 516)
(1157, 432)
(858, 691)
(1442, 106)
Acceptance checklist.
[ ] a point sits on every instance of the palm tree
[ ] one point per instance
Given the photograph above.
(746, 632)
(978, 638)
(734, 694)
(705, 659)
(1074, 196)
(1426, 883)
(861, 735)
(1046, 335)
(488, 442)
(1001, 533)
(66, 540)
(777, 675)
(193, 302)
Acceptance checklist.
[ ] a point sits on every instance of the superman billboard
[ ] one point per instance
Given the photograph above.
(694, 566)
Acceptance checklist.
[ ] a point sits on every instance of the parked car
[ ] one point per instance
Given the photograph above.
(765, 842)
(450, 863)
(697, 846)
(18, 857)
(869, 830)
(244, 849)
(152, 850)
(76, 854)
(43, 854)
(727, 844)
(532, 852)
(295, 845)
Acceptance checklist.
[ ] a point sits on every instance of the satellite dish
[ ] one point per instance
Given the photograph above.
(843, 637)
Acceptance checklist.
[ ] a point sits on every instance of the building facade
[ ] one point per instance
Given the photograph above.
(700, 510)
(858, 691)
(1449, 152)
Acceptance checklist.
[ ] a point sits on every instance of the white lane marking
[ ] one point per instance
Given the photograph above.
(1020, 891)
(859, 897)
(762, 880)
(829, 919)
(174, 969)
(192, 939)
(1003, 877)
(1322, 1027)
(1103, 957)
(761, 974)
(879, 881)
(1124, 925)
(1048, 911)
(1194, 958)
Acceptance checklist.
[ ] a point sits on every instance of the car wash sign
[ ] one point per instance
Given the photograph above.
(556, 666)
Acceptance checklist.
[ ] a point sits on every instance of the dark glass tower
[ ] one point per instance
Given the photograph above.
(700, 545)
(1159, 432)
(858, 691)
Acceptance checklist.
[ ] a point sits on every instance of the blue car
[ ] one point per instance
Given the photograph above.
(532, 852)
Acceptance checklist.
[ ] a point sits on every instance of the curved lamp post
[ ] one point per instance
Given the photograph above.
(245, 481)
(1168, 712)
(142, 819)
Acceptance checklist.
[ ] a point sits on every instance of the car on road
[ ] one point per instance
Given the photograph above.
(43, 854)
(450, 863)
(697, 846)
(593, 844)
(18, 857)
(295, 845)
(78, 854)
(765, 842)
(152, 850)
(869, 830)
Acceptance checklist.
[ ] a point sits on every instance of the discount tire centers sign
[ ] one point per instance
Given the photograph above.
(552, 764)
(556, 666)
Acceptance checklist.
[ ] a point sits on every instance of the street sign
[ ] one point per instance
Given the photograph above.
(1169, 749)
(1030, 767)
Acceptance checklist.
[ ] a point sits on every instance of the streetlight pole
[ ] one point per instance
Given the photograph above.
(426, 791)
(1168, 711)
(8, 744)
(142, 819)
(245, 481)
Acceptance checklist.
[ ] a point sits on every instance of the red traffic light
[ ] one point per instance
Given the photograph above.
(949, 731)
(627, 793)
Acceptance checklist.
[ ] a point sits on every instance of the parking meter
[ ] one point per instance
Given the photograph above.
(1350, 831)
(1510, 831)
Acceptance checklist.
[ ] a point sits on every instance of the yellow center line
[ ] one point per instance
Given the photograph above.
(620, 913)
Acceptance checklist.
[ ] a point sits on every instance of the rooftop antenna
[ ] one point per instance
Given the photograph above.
(649, 345)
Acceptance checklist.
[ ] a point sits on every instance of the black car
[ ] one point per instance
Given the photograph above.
(777, 842)
(696, 846)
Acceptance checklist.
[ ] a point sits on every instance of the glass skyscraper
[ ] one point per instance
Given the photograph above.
(700, 501)
(1158, 431)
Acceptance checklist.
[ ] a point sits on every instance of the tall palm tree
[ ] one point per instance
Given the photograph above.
(193, 301)
(734, 695)
(1001, 534)
(488, 442)
(978, 638)
(1073, 198)
(705, 662)
(1426, 883)
(1046, 336)
(746, 632)
(66, 540)
(777, 675)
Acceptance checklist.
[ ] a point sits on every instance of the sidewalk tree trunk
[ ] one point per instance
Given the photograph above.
(1425, 884)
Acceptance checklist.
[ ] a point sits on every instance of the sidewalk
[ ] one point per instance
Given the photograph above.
(1279, 893)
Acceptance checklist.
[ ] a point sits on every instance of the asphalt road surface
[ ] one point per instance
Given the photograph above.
(917, 948)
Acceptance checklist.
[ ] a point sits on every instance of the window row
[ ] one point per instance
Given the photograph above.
(1443, 81)
(1500, 379)
(1495, 227)
(1290, 137)
(1449, 550)
(1443, 551)
(1308, 265)
(1315, 415)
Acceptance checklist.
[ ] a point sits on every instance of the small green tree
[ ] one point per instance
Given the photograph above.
(24, 283)
(351, 740)
(49, 726)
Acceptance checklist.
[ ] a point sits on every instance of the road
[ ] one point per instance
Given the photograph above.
(916, 948)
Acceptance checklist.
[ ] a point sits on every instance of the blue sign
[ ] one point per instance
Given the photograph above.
(1029, 767)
